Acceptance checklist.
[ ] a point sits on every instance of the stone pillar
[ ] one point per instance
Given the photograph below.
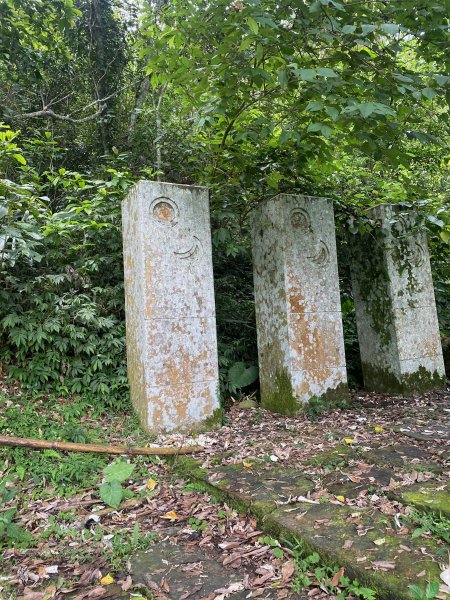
(298, 309)
(396, 316)
(170, 310)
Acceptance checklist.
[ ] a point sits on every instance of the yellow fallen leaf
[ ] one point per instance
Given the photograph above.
(378, 429)
(247, 464)
(151, 484)
(171, 515)
(348, 440)
(379, 541)
(340, 498)
(107, 580)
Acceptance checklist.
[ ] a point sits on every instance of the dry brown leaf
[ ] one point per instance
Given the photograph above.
(383, 565)
(287, 570)
(337, 577)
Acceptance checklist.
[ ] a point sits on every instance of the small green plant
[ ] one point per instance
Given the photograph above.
(10, 532)
(123, 545)
(197, 525)
(430, 592)
(240, 376)
(274, 544)
(316, 406)
(438, 525)
(309, 566)
(111, 491)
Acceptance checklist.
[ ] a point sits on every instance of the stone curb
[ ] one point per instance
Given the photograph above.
(323, 528)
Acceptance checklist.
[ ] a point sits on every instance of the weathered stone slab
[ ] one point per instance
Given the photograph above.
(396, 315)
(358, 540)
(428, 496)
(429, 432)
(170, 311)
(180, 571)
(260, 487)
(298, 311)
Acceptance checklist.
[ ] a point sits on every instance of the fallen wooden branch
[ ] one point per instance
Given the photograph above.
(6, 440)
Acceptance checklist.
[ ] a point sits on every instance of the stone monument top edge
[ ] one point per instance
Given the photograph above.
(283, 195)
(145, 182)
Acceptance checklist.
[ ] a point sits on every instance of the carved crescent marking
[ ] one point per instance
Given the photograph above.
(193, 251)
(322, 255)
(419, 255)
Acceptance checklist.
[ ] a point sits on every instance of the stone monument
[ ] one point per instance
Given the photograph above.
(298, 309)
(170, 309)
(396, 316)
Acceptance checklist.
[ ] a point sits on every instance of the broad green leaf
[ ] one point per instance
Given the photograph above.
(445, 236)
(111, 493)
(332, 112)
(442, 80)
(20, 159)
(306, 74)
(349, 29)
(314, 106)
(241, 376)
(253, 25)
(314, 126)
(118, 471)
(325, 72)
(429, 93)
(368, 29)
(283, 78)
(390, 28)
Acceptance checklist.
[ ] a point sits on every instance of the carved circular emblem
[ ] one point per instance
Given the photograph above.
(165, 211)
(300, 219)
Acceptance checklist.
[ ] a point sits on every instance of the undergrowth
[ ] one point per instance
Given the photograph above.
(309, 566)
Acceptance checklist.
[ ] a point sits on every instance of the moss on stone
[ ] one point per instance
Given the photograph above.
(211, 423)
(189, 467)
(382, 380)
(425, 498)
(336, 456)
(280, 398)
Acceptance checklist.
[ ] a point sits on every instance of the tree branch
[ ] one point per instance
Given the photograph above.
(50, 114)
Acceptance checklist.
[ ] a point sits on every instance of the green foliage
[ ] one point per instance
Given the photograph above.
(316, 406)
(438, 525)
(11, 534)
(61, 313)
(309, 565)
(241, 376)
(430, 592)
(111, 491)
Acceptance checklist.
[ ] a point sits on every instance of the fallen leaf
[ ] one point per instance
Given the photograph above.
(107, 580)
(247, 464)
(379, 541)
(383, 564)
(347, 544)
(151, 484)
(171, 516)
(127, 584)
(378, 429)
(348, 440)
(287, 570)
(445, 576)
(337, 577)
(340, 498)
